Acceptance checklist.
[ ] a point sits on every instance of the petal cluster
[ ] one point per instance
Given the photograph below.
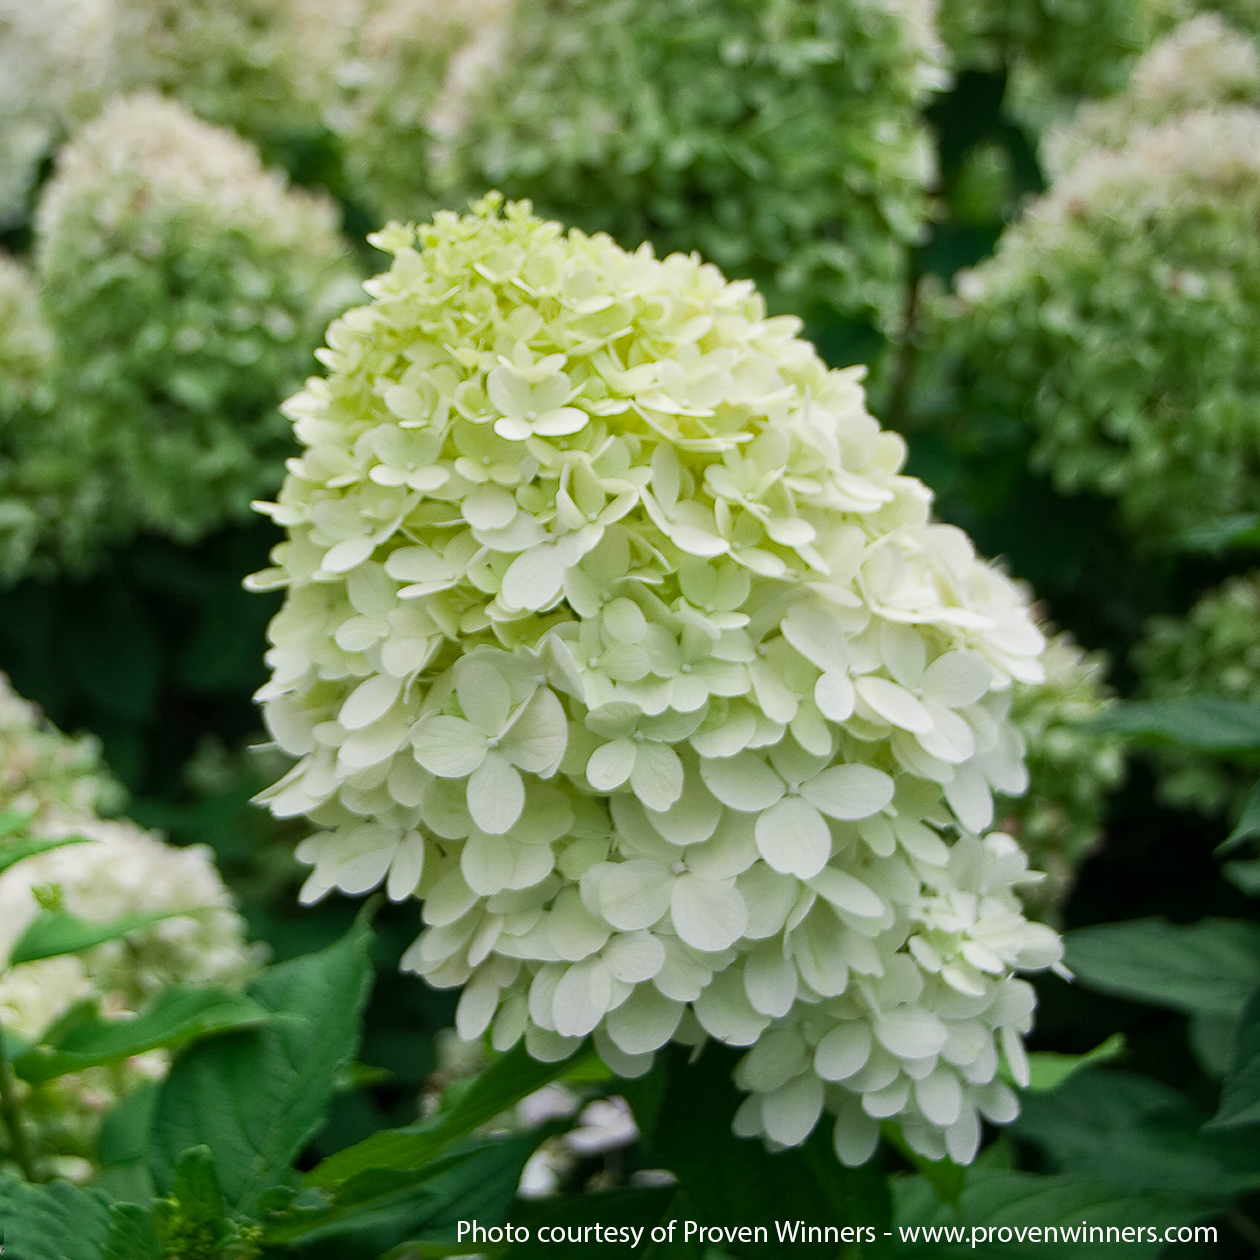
(652, 678)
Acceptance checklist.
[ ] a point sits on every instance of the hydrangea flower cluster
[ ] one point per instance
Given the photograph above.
(1204, 63)
(1071, 768)
(1119, 321)
(783, 142)
(614, 633)
(185, 287)
(46, 773)
(1213, 650)
(59, 60)
(119, 870)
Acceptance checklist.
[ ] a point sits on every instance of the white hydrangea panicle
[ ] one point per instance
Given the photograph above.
(615, 635)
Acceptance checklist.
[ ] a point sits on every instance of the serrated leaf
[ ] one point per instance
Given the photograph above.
(505, 1082)
(57, 1221)
(178, 1016)
(1240, 1098)
(55, 932)
(1211, 966)
(256, 1097)
(1213, 724)
(16, 851)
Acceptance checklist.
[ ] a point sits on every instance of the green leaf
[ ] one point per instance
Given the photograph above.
(944, 1176)
(19, 850)
(505, 1082)
(1132, 1131)
(52, 1222)
(1047, 1070)
(1245, 876)
(1240, 1099)
(476, 1180)
(54, 932)
(178, 1016)
(123, 1145)
(1248, 825)
(193, 1221)
(1211, 966)
(256, 1097)
(1022, 1206)
(132, 1234)
(1214, 724)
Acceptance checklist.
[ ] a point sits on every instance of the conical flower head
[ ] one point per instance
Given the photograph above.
(616, 635)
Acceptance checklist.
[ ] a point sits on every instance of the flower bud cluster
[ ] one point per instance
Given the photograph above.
(614, 633)
(184, 287)
(1120, 322)
(1213, 650)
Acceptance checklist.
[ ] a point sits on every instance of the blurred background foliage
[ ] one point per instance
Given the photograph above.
(1036, 220)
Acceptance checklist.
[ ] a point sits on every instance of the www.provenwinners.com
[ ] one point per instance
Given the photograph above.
(788, 1232)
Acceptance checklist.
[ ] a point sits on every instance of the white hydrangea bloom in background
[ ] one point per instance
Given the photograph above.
(1205, 63)
(117, 870)
(615, 635)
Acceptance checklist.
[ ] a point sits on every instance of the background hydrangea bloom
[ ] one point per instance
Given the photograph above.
(119, 870)
(781, 141)
(614, 633)
(1204, 63)
(1118, 322)
(1213, 650)
(183, 285)
(44, 772)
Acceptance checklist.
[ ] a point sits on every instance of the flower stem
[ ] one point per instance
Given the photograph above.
(11, 1113)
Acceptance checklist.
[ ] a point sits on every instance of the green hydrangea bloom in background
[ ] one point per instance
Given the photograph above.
(782, 141)
(1071, 770)
(615, 635)
(1204, 63)
(119, 870)
(185, 287)
(1119, 321)
(1213, 650)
